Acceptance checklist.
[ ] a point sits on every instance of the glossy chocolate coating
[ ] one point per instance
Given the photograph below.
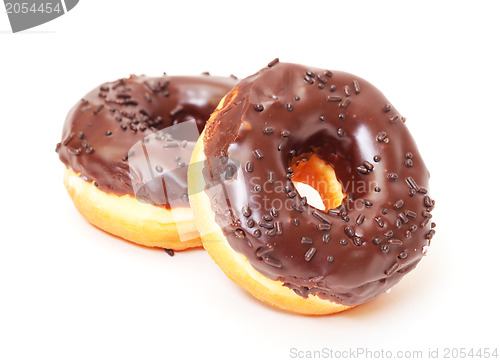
(101, 129)
(349, 254)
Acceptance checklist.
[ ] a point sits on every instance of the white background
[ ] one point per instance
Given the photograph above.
(69, 292)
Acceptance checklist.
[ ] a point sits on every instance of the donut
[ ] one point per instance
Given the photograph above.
(290, 124)
(104, 151)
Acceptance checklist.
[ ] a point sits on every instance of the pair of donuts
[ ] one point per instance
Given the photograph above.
(284, 125)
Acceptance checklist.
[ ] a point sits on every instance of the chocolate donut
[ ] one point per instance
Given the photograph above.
(289, 123)
(104, 126)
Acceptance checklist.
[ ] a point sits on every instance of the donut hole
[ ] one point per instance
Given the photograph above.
(316, 180)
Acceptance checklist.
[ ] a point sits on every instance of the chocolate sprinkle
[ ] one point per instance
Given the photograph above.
(322, 79)
(379, 222)
(309, 254)
(334, 99)
(395, 242)
(403, 218)
(399, 204)
(360, 219)
(258, 154)
(349, 231)
(392, 269)
(278, 226)
(362, 170)
(345, 103)
(309, 80)
(381, 137)
(272, 262)
(411, 214)
(356, 86)
(321, 216)
(323, 227)
(411, 182)
(246, 211)
(392, 176)
(274, 212)
(68, 139)
(268, 130)
(249, 166)
(306, 241)
(259, 107)
(273, 62)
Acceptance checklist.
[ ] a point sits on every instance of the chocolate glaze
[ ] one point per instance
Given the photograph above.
(100, 130)
(349, 254)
